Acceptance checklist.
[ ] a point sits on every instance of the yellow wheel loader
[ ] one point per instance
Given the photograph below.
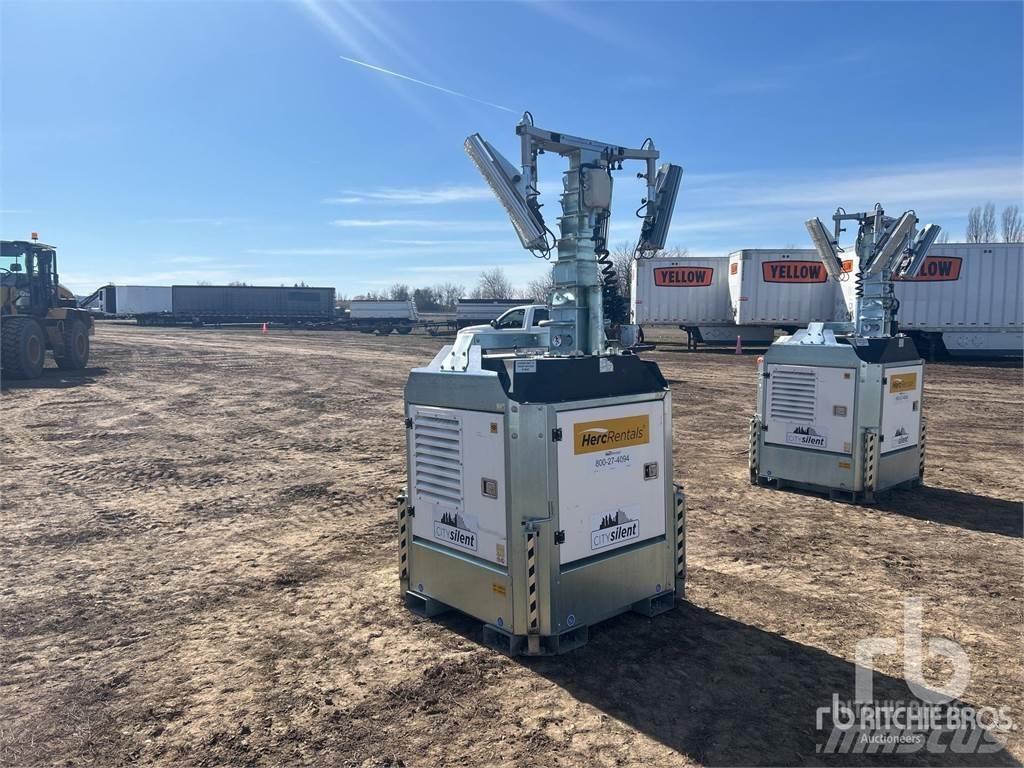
(37, 313)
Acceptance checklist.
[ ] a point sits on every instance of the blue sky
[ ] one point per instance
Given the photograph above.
(174, 142)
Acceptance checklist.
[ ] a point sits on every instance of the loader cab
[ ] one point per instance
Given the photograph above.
(28, 273)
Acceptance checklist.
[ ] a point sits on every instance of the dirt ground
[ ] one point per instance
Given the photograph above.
(199, 567)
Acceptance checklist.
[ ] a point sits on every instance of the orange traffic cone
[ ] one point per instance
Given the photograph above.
(264, 329)
(739, 345)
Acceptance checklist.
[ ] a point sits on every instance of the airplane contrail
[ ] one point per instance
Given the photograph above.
(428, 85)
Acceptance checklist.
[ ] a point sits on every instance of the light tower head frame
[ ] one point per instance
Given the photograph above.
(887, 248)
(582, 268)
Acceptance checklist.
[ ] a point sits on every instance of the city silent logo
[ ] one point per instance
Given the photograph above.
(809, 437)
(793, 272)
(611, 528)
(608, 434)
(683, 277)
(454, 529)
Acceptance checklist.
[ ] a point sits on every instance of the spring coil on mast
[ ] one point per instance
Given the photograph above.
(611, 299)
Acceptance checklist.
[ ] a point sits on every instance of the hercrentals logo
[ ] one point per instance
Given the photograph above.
(604, 435)
(793, 272)
(938, 269)
(611, 528)
(683, 277)
(902, 382)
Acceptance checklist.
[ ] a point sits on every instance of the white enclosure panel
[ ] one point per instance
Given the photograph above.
(781, 287)
(681, 291)
(457, 480)
(901, 407)
(810, 407)
(965, 287)
(604, 500)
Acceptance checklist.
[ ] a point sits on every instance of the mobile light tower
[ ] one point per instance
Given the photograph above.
(841, 413)
(540, 497)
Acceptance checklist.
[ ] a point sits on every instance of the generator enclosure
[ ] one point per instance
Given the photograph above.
(540, 497)
(691, 293)
(844, 412)
(781, 288)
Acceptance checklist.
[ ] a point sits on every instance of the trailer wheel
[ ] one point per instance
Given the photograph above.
(405, 330)
(385, 330)
(76, 347)
(22, 348)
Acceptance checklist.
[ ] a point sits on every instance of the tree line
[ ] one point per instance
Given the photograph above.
(982, 226)
(494, 284)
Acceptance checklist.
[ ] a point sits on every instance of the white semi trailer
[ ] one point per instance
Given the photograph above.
(693, 294)
(966, 299)
(781, 288)
(130, 300)
(383, 317)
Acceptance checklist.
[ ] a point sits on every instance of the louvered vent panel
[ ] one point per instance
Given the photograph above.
(437, 457)
(792, 395)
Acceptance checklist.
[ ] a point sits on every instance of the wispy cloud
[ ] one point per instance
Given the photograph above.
(216, 221)
(461, 225)
(458, 193)
(951, 183)
(425, 84)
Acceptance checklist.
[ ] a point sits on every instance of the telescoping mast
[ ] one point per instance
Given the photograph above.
(540, 495)
(839, 404)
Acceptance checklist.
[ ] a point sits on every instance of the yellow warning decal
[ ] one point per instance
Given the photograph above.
(498, 589)
(902, 382)
(608, 434)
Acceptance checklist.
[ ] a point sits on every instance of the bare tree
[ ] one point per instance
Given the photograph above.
(450, 293)
(399, 292)
(539, 290)
(981, 224)
(988, 223)
(1013, 227)
(493, 285)
(622, 260)
(973, 234)
(943, 236)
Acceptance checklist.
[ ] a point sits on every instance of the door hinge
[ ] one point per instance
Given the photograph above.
(410, 511)
(559, 537)
(767, 374)
(556, 434)
(885, 380)
(408, 422)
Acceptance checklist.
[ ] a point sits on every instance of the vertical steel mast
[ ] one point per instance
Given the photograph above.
(581, 252)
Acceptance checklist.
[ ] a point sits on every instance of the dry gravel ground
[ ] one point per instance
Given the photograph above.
(199, 567)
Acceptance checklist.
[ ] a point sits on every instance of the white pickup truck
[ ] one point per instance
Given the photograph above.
(512, 325)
